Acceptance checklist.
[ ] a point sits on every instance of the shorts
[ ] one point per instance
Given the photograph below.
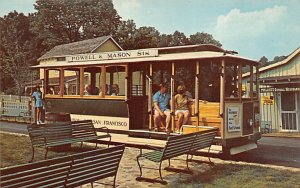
(182, 111)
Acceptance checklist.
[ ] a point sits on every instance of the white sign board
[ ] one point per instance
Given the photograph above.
(113, 55)
(115, 123)
(233, 121)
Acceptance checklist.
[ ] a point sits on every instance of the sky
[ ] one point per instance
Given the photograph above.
(253, 28)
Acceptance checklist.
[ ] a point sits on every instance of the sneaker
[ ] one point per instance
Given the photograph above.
(37, 122)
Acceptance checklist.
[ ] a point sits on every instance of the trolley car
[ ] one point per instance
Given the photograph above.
(115, 89)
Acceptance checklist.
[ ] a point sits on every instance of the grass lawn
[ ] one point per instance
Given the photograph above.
(239, 175)
(16, 149)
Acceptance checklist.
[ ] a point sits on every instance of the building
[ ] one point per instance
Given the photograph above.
(58, 54)
(280, 94)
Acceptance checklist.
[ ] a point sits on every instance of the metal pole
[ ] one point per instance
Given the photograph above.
(172, 98)
(197, 113)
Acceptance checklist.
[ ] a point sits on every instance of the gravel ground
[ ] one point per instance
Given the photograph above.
(129, 170)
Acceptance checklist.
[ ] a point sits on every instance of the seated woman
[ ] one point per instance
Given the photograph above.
(87, 90)
(114, 89)
(181, 101)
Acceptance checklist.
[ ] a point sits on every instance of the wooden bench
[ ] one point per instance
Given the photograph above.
(176, 146)
(209, 116)
(61, 134)
(204, 139)
(68, 171)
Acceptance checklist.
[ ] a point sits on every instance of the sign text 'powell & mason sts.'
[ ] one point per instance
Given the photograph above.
(113, 55)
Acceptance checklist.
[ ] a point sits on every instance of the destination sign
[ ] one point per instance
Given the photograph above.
(113, 55)
(117, 123)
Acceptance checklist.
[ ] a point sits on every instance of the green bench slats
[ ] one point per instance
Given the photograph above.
(36, 174)
(58, 135)
(68, 171)
(177, 146)
(94, 166)
(203, 140)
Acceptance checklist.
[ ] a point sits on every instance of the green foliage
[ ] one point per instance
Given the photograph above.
(234, 175)
(25, 38)
(265, 62)
(204, 38)
(64, 21)
(17, 52)
(125, 34)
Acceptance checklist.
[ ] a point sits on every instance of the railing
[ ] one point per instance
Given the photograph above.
(137, 90)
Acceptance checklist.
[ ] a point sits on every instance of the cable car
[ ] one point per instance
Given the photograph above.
(115, 89)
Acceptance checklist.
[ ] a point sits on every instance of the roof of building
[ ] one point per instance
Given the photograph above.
(80, 47)
(278, 64)
(291, 81)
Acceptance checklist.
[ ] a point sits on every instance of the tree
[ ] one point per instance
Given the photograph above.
(64, 21)
(17, 54)
(125, 34)
(146, 37)
(179, 39)
(264, 61)
(203, 38)
(165, 40)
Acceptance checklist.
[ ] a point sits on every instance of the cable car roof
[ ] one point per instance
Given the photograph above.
(173, 57)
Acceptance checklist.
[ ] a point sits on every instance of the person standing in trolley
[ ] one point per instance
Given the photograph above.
(38, 98)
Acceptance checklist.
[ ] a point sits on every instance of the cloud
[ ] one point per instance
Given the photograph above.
(125, 8)
(250, 24)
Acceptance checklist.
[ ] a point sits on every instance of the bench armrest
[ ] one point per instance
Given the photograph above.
(107, 130)
(149, 147)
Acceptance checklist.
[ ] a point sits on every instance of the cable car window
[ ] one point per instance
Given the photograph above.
(115, 81)
(231, 81)
(92, 77)
(210, 74)
(255, 80)
(52, 80)
(246, 83)
(72, 81)
(137, 83)
(184, 75)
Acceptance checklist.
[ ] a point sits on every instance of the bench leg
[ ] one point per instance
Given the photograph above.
(162, 181)
(160, 172)
(140, 167)
(114, 185)
(109, 142)
(32, 155)
(92, 184)
(96, 146)
(46, 153)
(187, 161)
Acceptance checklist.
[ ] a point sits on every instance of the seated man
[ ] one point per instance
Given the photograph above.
(161, 100)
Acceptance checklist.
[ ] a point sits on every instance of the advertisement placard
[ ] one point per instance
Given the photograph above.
(233, 122)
